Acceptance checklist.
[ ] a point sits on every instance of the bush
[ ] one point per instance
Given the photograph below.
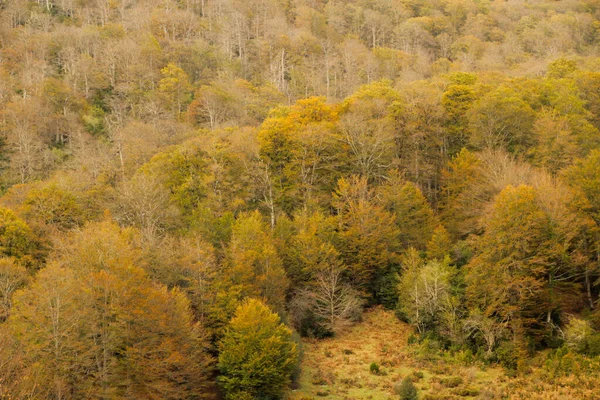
(417, 376)
(452, 381)
(593, 345)
(374, 368)
(407, 390)
(508, 355)
(581, 337)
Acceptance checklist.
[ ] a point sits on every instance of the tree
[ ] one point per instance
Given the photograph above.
(424, 291)
(12, 277)
(457, 99)
(509, 277)
(301, 149)
(174, 88)
(17, 239)
(556, 147)
(458, 203)
(367, 237)
(439, 245)
(407, 390)
(257, 354)
(502, 119)
(93, 324)
(53, 206)
(212, 105)
(584, 175)
(413, 216)
(367, 126)
(145, 203)
(254, 264)
(335, 303)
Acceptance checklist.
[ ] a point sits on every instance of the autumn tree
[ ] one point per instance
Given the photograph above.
(12, 277)
(174, 88)
(501, 119)
(368, 237)
(522, 250)
(93, 322)
(412, 213)
(257, 354)
(53, 206)
(254, 265)
(301, 149)
(366, 124)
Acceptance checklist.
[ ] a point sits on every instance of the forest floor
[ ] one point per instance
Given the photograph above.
(339, 368)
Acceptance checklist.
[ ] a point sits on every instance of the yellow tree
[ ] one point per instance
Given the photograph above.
(368, 236)
(254, 265)
(174, 88)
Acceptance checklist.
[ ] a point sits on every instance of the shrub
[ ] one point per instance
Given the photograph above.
(374, 368)
(452, 381)
(577, 333)
(417, 376)
(407, 390)
(508, 355)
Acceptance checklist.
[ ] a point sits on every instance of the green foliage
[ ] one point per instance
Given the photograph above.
(17, 239)
(412, 213)
(53, 206)
(407, 390)
(502, 119)
(254, 264)
(374, 368)
(561, 68)
(257, 354)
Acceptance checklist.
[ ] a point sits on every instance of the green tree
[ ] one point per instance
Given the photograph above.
(407, 390)
(457, 100)
(257, 354)
(254, 264)
(175, 88)
(413, 216)
(17, 239)
(502, 119)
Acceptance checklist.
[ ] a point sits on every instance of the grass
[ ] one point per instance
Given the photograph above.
(339, 369)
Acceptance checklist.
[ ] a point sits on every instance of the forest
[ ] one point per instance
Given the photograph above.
(195, 193)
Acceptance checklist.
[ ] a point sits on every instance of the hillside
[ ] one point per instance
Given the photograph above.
(208, 199)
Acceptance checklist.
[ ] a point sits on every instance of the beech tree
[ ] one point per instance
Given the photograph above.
(368, 236)
(257, 354)
(95, 323)
(254, 264)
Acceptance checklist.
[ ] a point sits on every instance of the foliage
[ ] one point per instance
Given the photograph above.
(257, 353)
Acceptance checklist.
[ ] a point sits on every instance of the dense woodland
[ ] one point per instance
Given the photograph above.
(191, 186)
